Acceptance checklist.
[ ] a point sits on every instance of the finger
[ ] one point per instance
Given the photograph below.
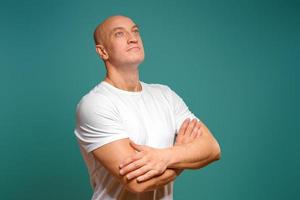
(194, 132)
(179, 139)
(190, 127)
(180, 135)
(137, 173)
(136, 146)
(199, 124)
(132, 166)
(200, 132)
(184, 126)
(131, 159)
(148, 175)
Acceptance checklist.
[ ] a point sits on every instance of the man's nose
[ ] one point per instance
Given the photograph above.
(131, 38)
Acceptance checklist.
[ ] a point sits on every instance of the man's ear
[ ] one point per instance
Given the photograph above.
(101, 51)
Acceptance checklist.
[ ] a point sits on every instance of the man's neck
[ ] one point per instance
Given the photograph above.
(124, 79)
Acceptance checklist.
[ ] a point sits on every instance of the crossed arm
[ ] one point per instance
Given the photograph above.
(142, 168)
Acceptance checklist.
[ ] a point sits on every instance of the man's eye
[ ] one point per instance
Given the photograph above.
(119, 34)
(136, 31)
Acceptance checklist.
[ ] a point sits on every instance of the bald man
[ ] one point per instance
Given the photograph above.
(136, 138)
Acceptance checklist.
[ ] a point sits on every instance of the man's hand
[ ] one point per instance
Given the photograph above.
(145, 164)
(149, 162)
(188, 131)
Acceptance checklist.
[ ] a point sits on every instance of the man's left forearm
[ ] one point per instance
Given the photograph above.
(197, 154)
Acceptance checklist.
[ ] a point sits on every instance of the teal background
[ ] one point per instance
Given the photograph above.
(235, 63)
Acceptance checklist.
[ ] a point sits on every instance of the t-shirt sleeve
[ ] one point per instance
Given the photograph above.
(180, 109)
(97, 123)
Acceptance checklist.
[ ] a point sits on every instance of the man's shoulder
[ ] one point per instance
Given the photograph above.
(96, 97)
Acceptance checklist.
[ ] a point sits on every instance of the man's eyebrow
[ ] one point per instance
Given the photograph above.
(122, 28)
(135, 26)
(116, 28)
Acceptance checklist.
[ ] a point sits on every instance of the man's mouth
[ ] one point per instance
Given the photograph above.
(133, 48)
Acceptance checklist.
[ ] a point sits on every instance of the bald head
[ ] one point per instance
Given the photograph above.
(101, 29)
(118, 42)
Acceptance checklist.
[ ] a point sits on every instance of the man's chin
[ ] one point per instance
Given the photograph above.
(132, 62)
(136, 61)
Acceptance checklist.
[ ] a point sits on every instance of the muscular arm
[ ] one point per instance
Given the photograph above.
(195, 154)
(112, 154)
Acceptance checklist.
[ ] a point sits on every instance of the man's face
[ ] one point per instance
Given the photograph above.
(122, 42)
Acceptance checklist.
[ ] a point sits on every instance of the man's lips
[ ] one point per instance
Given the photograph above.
(133, 48)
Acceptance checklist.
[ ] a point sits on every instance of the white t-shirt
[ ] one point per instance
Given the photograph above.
(150, 117)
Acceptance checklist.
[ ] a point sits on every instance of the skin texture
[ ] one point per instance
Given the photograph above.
(112, 154)
(150, 162)
(142, 168)
(121, 49)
